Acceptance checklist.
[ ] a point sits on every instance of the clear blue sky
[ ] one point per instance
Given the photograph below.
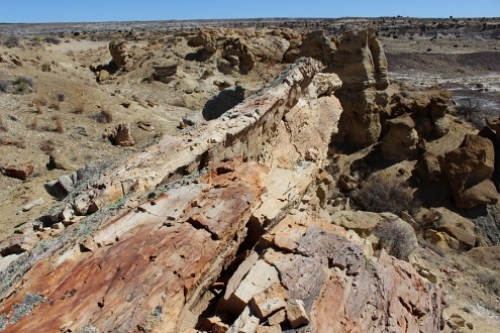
(31, 11)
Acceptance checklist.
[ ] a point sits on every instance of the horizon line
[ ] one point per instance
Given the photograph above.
(261, 18)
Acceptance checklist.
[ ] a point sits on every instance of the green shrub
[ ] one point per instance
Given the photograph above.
(52, 40)
(5, 86)
(46, 67)
(36, 41)
(23, 85)
(12, 41)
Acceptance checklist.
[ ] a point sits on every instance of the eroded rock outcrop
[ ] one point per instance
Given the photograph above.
(469, 169)
(121, 135)
(318, 46)
(119, 53)
(160, 245)
(238, 50)
(449, 230)
(427, 108)
(360, 61)
(234, 49)
(361, 65)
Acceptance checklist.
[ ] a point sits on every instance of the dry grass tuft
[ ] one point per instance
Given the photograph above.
(34, 124)
(59, 124)
(3, 126)
(42, 99)
(104, 117)
(46, 67)
(38, 106)
(384, 192)
(23, 84)
(490, 282)
(56, 105)
(80, 108)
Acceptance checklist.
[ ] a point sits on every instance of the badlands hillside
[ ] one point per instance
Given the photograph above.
(276, 175)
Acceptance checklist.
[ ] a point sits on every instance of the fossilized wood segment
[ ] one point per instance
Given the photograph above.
(171, 245)
(244, 227)
(342, 289)
(239, 132)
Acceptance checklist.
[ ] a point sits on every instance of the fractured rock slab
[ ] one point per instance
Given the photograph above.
(269, 301)
(296, 314)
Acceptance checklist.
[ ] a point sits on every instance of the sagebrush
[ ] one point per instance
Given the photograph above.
(489, 280)
(397, 237)
(383, 192)
(23, 84)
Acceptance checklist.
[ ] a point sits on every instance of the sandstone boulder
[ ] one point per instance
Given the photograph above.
(360, 124)
(165, 72)
(206, 38)
(469, 169)
(441, 239)
(63, 186)
(401, 140)
(21, 172)
(241, 48)
(427, 108)
(267, 45)
(428, 167)
(103, 76)
(460, 233)
(363, 223)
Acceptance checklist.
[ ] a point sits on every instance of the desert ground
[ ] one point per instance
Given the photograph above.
(64, 89)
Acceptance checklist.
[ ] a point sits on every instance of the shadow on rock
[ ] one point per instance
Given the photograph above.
(200, 55)
(224, 101)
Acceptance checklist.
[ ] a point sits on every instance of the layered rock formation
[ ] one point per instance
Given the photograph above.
(216, 229)
(361, 65)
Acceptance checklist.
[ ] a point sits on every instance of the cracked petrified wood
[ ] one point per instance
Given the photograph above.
(157, 246)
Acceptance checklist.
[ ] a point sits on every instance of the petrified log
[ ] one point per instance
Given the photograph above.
(209, 223)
